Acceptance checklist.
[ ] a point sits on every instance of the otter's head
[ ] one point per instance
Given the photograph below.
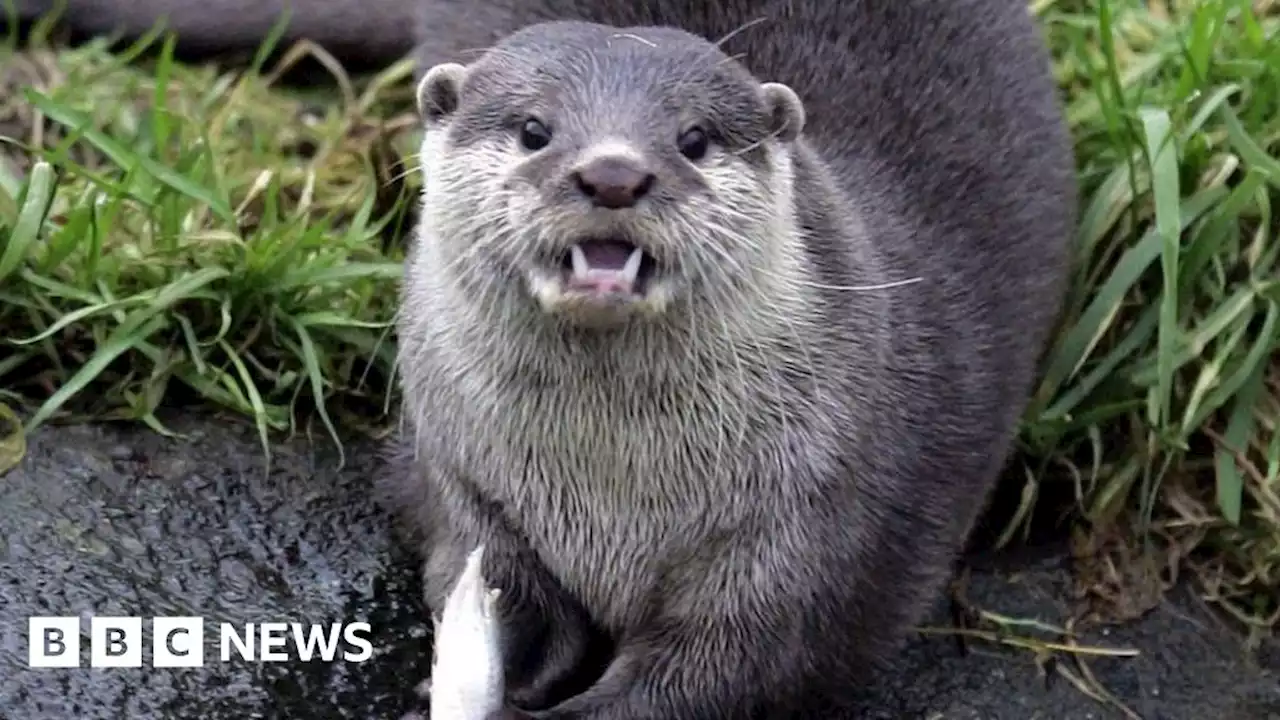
(604, 175)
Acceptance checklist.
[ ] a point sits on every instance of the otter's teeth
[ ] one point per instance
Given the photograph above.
(631, 270)
(580, 265)
(583, 276)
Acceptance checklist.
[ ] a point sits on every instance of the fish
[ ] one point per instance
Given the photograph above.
(467, 681)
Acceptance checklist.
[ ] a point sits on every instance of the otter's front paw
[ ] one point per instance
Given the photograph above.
(563, 652)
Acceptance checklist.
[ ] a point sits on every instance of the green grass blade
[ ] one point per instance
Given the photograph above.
(1162, 156)
(125, 158)
(26, 231)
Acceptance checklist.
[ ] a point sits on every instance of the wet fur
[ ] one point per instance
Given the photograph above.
(588, 441)
(755, 497)
(359, 32)
(753, 504)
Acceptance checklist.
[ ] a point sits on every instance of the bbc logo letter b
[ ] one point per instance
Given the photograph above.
(115, 641)
(53, 642)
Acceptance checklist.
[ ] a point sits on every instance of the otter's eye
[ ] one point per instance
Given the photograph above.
(534, 135)
(693, 143)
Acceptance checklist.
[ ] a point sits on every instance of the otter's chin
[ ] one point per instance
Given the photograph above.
(601, 283)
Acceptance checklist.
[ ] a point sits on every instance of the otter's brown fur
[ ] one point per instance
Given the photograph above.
(754, 492)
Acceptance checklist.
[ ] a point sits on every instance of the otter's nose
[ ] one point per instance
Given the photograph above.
(614, 182)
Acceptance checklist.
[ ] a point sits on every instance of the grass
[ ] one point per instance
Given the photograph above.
(171, 232)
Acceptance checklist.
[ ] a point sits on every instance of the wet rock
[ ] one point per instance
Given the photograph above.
(108, 520)
(115, 520)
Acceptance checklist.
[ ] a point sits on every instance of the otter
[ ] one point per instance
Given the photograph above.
(362, 33)
(717, 328)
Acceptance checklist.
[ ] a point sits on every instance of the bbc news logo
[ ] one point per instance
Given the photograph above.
(174, 642)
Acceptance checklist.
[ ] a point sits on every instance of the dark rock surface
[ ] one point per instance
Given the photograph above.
(108, 520)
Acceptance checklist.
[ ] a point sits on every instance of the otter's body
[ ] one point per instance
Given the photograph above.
(360, 32)
(755, 481)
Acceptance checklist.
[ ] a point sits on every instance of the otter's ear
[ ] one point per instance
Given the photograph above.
(786, 112)
(440, 90)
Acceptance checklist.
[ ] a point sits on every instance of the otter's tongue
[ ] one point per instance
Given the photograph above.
(604, 266)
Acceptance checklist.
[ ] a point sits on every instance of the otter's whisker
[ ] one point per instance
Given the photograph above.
(863, 288)
(738, 30)
(406, 172)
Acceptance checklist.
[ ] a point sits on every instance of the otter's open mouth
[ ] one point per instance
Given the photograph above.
(604, 267)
